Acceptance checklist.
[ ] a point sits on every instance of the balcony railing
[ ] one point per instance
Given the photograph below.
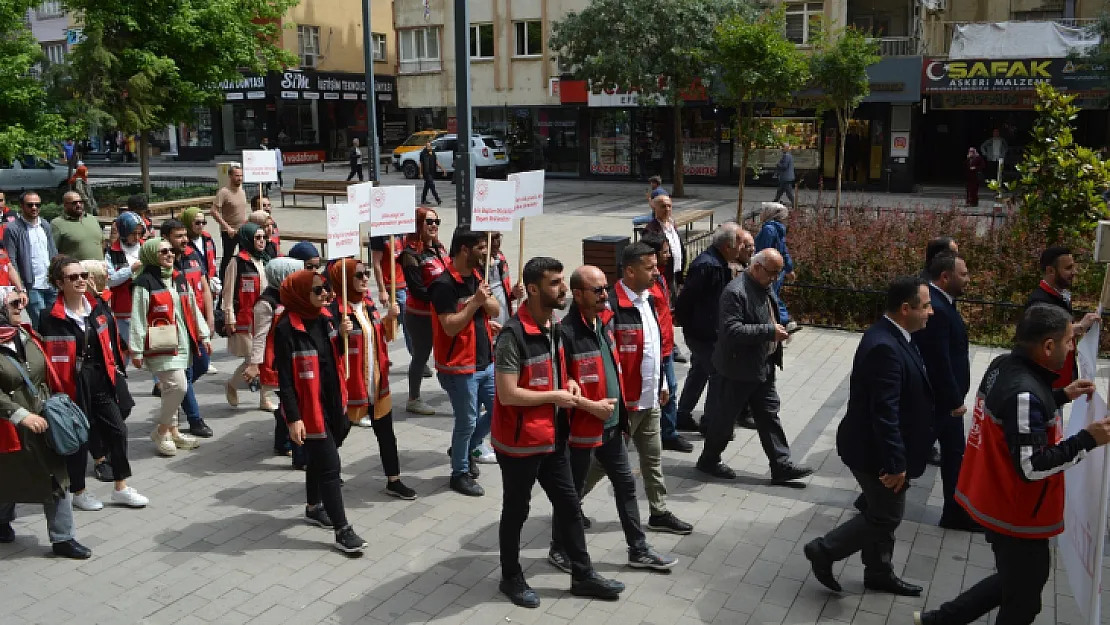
(420, 66)
(940, 32)
(897, 46)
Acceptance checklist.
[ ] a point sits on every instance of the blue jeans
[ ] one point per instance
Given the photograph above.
(468, 393)
(783, 314)
(39, 300)
(402, 299)
(59, 517)
(197, 368)
(669, 421)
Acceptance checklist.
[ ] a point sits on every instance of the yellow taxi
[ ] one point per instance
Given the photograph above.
(414, 143)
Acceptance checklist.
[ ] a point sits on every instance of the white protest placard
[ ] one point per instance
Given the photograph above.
(260, 166)
(494, 205)
(358, 195)
(393, 210)
(343, 231)
(1084, 512)
(529, 192)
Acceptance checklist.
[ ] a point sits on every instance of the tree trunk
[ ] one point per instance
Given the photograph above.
(746, 147)
(679, 189)
(843, 133)
(144, 161)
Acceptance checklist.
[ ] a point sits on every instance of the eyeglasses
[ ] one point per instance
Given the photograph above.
(362, 275)
(165, 250)
(17, 304)
(433, 222)
(200, 222)
(312, 267)
(31, 204)
(74, 277)
(320, 289)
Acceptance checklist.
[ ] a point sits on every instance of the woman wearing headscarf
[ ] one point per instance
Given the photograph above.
(265, 310)
(422, 259)
(773, 234)
(312, 386)
(246, 279)
(974, 167)
(123, 267)
(201, 243)
(368, 400)
(266, 222)
(308, 254)
(163, 298)
(32, 472)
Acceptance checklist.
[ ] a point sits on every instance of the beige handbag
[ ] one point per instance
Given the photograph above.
(161, 338)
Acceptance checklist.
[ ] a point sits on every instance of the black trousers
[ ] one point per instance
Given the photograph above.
(613, 457)
(356, 170)
(872, 531)
(429, 184)
(387, 445)
(228, 244)
(701, 371)
(950, 435)
(322, 478)
(107, 435)
(1015, 589)
(552, 471)
(727, 399)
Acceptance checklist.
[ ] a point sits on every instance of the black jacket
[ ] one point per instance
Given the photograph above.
(888, 426)
(696, 308)
(746, 349)
(944, 348)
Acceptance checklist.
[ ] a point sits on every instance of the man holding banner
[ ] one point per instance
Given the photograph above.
(1012, 479)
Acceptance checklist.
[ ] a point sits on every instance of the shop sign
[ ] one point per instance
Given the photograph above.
(303, 156)
(246, 82)
(256, 95)
(311, 95)
(599, 168)
(612, 99)
(699, 170)
(1008, 75)
(553, 87)
(290, 95)
(233, 96)
(452, 124)
(899, 144)
(331, 96)
(1009, 101)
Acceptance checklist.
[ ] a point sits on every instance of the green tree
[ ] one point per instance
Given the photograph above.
(659, 48)
(839, 67)
(149, 64)
(756, 64)
(1060, 183)
(28, 122)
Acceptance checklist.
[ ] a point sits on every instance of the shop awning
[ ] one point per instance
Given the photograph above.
(1018, 40)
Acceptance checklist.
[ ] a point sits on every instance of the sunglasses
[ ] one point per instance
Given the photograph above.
(74, 277)
(30, 204)
(362, 275)
(598, 290)
(320, 289)
(17, 304)
(260, 236)
(433, 222)
(165, 250)
(76, 202)
(312, 267)
(200, 222)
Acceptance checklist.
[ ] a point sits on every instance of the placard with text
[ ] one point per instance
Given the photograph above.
(358, 195)
(529, 192)
(259, 166)
(494, 205)
(393, 210)
(343, 232)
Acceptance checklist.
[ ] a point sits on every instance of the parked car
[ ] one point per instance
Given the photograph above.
(414, 143)
(32, 172)
(487, 151)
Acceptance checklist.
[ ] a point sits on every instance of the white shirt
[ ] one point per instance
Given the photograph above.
(79, 316)
(40, 253)
(948, 297)
(676, 245)
(653, 342)
(905, 334)
(359, 310)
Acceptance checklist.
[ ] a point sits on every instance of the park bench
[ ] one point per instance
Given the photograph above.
(321, 188)
(159, 210)
(684, 219)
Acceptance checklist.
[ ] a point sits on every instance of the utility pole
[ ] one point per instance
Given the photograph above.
(464, 168)
(371, 95)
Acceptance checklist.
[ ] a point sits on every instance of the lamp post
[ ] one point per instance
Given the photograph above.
(464, 168)
(371, 95)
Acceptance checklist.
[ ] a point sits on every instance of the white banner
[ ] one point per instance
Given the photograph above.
(529, 192)
(393, 210)
(259, 166)
(358, 195)
(494, 205)
(1084, 510)
(343, 232)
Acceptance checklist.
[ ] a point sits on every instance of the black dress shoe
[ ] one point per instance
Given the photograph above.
(686, 423)
(960, 523)
(519, 592)
(7, 534)
(678, 443)
(934, 456)
(200, 429)
(464, 484)
(720, 470)
(680, 357)
(72, 549)
(893, 585)
(746, 421)
(789, 472)
(821, 565)
(596, 587)
(103, 472)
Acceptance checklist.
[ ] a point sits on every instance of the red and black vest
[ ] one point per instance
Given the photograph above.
(1070, 371)
(586, 365)
(5, 266)
(121, 293)
(248, 288)
(387, 269)
(530, 430)
(275, 238)
(9, 436)
(990, 488)
(660, 299)
(628, 329)
(357, 392)
(267, 375)
(506, 279)
(191, 265)
(433, 262)
(306, 373)
(457, 355)
(208, 253)
(160, 311)
(61, 336)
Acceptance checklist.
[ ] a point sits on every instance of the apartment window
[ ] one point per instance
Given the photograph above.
(49, 9)
(55, 52)
(481, 41)
(308, 43)
(378, 41)
(529, 38)
(419, 50)
(803, 20)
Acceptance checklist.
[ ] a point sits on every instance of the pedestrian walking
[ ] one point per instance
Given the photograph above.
(974, 167)
(230, 210)
(354, 157)
(532, 388)
(263, 220)
(1058, 271)
(381, 257)
(784, 170)
(423, 259)
(124, 265)
(429, 165)
(246, 279)
(76, 233)
(673, 271)
(29, 242)
(500, 281)
(202, 244)
(772, 234)
(191, 268)
(884, 440)
(1012, 480)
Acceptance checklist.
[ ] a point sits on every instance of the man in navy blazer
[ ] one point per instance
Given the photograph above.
(944, 348)
(884, 438)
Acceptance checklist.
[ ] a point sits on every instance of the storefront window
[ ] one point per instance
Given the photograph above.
(243, 126)
(198, 133)
(557, 129)
(490, 121)
(611, 143)
(700, 143)
(799, 133)
(298, 123)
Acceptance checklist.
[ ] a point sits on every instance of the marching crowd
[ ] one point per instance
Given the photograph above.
(559, 395)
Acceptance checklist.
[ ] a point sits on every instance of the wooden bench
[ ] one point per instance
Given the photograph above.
(684, 218)
(169, 207)
(321, 188)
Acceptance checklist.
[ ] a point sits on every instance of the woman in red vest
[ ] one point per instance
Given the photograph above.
(81, 339)
(246, 279)
(368, 400)
(266, 222)
(123, 267)
(312, 385)
(422, 259)
(162, 298)
(201, 242)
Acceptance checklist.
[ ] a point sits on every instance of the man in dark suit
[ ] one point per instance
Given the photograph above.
(944, 349)
(884, 439)
(935, 246)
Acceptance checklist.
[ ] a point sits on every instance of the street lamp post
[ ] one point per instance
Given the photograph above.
(464, 168)
(371, 95)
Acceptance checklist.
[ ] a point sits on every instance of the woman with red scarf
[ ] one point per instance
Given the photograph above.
(422, 259)
(312, 387)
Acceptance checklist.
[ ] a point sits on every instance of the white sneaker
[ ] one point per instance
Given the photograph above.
(366, 422)
(163, 443)
(129, 497)
(85, 501)
(484, 455)
(212, 367)
(416, 406)
(185, 441)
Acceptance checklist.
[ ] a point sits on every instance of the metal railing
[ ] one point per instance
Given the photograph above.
(419, 66)
(897, 46)
(939, 33)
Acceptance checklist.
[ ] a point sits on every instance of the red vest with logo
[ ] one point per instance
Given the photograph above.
(387, 269)
(357, 392)
(208, 253)
(628, 328)
(529, 430)
(306, 373)
(275, 238)
(990, 488)
(457, 355)
(121, 293)
(586, 365)
(9, 436)
(433, 262)
(248, 288)
(506, 279)
(5, 267)
(267, 375)
(161, 312)
(60, 337)
(660, 299)
(191, 266)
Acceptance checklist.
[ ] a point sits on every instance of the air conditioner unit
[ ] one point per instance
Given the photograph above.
(937, 6)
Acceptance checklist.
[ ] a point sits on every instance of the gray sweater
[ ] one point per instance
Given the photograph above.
(18, 246)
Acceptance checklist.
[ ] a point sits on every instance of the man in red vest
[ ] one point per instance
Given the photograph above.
(1058, 269)
(530, 433)
(1012, 479)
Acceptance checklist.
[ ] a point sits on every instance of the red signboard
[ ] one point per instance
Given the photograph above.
(452, 124)
(302, 157)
